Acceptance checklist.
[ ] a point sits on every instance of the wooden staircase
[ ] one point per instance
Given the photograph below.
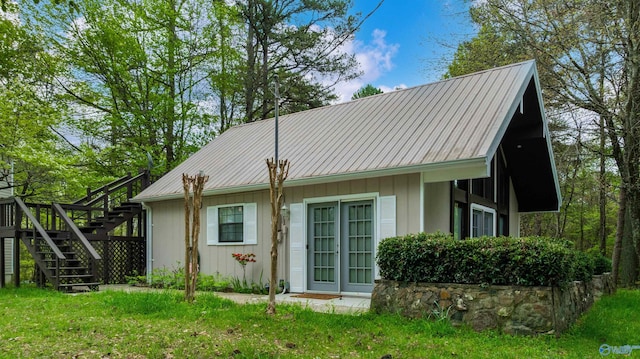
(59, 236)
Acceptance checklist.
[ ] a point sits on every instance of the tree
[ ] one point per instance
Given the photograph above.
(299, 41)
(278, 172)
(364, 91)
(32, 153)
(486, 50)
(138, 67)
(193, 187)
(589, 54)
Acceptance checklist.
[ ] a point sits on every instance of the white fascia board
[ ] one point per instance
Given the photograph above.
(478, 169)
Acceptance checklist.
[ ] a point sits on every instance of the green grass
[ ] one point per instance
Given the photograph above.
(38, 323)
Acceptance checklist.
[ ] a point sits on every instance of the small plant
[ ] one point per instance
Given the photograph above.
(438, 313)
(243, 259)
(136, 280)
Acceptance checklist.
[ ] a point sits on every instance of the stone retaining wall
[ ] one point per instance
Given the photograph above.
(511, 309)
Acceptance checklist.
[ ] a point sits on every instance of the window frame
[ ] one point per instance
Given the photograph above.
(484, 209)
(238, 226)
(249, 224)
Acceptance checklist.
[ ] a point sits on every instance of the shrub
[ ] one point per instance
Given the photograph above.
(601, 263)
(488, 260)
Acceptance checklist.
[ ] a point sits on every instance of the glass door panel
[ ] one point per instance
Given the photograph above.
(357, 259)
(322, 251)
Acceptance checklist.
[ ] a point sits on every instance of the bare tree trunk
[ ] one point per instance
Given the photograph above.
(278, 173)
(192, 231)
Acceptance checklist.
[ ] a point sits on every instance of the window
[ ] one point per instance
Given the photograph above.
(232, 224)
(483, 221)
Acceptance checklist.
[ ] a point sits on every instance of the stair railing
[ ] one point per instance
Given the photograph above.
(22, 209)
(105, 195)
(75, 232)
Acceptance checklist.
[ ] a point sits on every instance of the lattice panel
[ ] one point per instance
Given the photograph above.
(120, 258)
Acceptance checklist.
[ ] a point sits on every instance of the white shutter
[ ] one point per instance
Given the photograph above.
(386, 223)
(250, 219)
(212, 225)
(297, 251)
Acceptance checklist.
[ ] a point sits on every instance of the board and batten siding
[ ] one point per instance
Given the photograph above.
(8, 256)
(168, 224)
(437, 207)
(4, 192)
(168, 237)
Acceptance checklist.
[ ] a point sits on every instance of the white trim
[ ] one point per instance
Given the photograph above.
(343, 198)
(250, 235)
(297, 249)
(387, 223)
(484, 209)
(149, 254)
(422, 199)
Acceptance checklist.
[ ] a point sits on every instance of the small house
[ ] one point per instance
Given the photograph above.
(466, 155)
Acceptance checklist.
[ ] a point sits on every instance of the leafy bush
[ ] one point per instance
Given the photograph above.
(174, 279)
(439, 258)
(601, 263)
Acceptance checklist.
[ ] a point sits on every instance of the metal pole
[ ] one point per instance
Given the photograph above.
(277, 95)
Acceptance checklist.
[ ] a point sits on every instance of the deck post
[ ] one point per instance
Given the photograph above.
(2, 263)
(16, 262)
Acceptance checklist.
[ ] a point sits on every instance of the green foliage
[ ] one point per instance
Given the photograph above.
(488, 49)
(40, 323)
(487, 260)
(367, 90)
(166, 278)
(601, 263)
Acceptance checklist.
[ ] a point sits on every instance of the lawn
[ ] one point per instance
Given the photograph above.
(38, 323)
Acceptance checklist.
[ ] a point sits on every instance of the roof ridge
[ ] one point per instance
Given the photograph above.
(368, 98)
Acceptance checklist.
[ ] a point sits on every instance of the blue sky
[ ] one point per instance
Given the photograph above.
(406, 43)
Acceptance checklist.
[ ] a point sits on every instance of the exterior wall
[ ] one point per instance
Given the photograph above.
(437, 207)
(8, 258)
(514, 216)
(168, 237)
(4, 193)
(406, 188)
(168, 224)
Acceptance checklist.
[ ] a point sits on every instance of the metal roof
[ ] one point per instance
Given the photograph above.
(458, 119)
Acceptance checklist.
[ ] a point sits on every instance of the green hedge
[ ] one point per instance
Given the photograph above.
(438, 258)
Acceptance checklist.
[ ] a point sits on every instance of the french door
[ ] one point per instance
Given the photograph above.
(340, 253)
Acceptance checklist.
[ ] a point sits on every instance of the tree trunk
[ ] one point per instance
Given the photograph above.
(602, 198)
(192, 231)
(249, 78)
(169, 135)
(278, 173)
(617, 246)
(628, 258)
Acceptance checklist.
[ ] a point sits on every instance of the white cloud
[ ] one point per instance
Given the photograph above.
(394, 88)
(375, 59)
